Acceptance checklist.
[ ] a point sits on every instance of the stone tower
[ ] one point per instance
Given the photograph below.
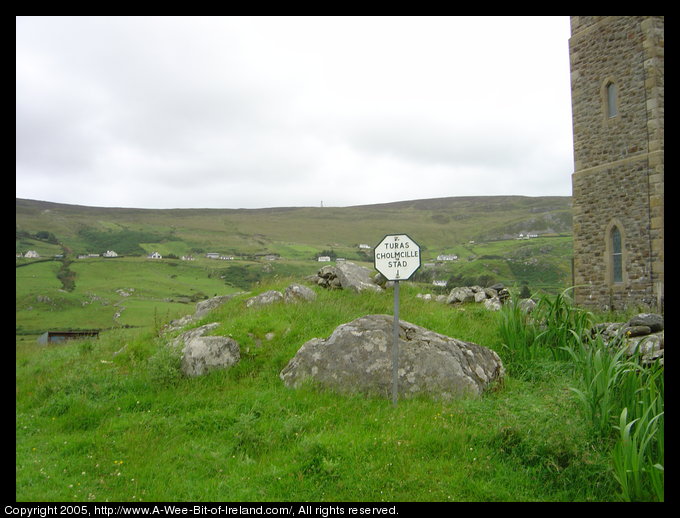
(617, 76)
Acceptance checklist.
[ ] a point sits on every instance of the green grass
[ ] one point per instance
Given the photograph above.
(111, 419)
(298, 233)
(136, 289)
(44, 249)
(607, 383)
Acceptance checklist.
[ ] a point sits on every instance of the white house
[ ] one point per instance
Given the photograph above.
(32, 254)
(447, 257)
(527, 236)
(155, 255)
(324, 258)
(110, 253)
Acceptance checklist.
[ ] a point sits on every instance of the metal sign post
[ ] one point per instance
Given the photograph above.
(395, 346)
(397, 257)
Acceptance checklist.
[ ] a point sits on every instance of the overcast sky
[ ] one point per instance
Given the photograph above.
(231, 112)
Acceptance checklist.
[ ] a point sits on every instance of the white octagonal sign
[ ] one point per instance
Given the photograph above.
(397, 257)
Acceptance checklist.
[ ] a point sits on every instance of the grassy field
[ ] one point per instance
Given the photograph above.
(109, 293)
(436, 224)
(85, 293)
(113, 420)
(128, 291)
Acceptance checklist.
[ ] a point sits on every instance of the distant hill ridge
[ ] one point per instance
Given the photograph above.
(435, 223)
(450, 202)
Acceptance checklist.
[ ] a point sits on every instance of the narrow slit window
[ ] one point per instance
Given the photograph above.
(617, 256)
(612, 110)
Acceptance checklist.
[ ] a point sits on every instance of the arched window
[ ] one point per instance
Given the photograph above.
(616, 255)
(612, 100)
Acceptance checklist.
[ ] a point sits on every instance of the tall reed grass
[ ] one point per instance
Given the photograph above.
(639, 450)
(518, 334)
(601, 373)
(563, 324)
(614, 386)
(622, 398)
(531, 338)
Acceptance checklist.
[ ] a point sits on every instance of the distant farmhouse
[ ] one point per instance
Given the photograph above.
(155, 255)
(447, 257)
(31, 254)
(215, 255)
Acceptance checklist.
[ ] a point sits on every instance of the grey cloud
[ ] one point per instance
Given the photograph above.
(451, 145)
(163, 109)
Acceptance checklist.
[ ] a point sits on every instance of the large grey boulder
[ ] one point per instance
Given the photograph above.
(205, 353)
(202, 309)
(355, 277)
(184, 337)
(346, 275)
(292, 294)
(461, 294)
(298, 293)
(206, 306)
(264, 299)
(201, 354)
(357, 357)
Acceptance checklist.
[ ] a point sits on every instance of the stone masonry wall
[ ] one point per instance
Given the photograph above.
(612, 195)
(618, 160)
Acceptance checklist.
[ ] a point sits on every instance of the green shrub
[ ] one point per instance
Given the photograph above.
(164, 366)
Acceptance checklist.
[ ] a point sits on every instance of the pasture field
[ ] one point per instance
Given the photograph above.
(112, 419)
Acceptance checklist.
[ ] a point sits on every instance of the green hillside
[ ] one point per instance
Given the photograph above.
(112, 418)
(68, 291)
(436, 224)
